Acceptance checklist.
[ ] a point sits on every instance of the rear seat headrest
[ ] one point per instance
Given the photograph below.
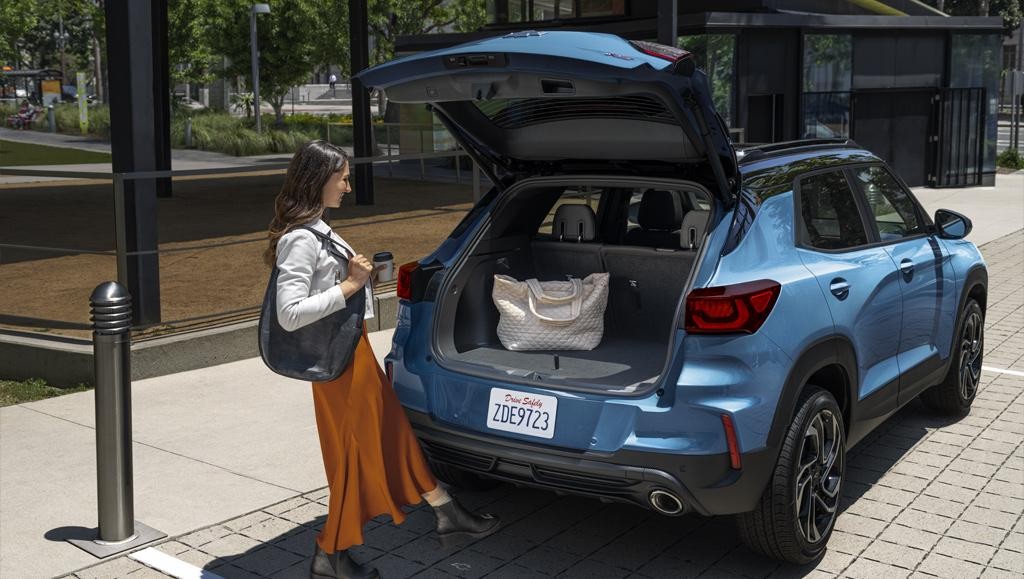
(575, 223)
(659, 210)
(692, 231)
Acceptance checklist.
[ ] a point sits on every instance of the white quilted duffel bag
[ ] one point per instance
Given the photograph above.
(551, 315)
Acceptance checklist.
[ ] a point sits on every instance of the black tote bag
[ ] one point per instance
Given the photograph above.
(320, 351)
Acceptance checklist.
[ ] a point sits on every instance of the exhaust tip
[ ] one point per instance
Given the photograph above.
(666, 503)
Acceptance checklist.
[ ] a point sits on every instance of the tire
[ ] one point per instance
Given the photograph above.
(954, 395)
(462, 479)
(798, 509)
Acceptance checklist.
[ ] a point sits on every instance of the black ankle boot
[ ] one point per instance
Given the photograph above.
(453, 520)
(339, 565)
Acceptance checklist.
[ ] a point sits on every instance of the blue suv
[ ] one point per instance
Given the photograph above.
(767, 306)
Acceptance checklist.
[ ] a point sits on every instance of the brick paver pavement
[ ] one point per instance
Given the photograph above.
(925, 496)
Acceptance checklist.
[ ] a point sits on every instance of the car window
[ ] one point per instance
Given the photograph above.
(889, 203)
(831, 219)
(584, 195)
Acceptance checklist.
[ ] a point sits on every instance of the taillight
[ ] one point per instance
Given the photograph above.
(740, 308)
(669, 53)
(405, 272)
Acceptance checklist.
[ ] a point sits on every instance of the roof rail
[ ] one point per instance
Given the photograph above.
(746, 153)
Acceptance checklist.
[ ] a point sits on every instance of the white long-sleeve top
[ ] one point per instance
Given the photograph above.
(309, 276)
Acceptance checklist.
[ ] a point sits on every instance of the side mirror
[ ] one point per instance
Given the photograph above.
(952, 225)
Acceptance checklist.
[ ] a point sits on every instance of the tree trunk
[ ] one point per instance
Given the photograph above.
(277, 101)
(983, 8)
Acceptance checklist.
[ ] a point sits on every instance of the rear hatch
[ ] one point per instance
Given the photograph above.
(548, 103)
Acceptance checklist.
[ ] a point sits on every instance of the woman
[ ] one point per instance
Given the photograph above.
(373, 462)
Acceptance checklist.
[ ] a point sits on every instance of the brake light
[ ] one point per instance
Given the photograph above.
(405, 272)
(669, 53)
(739, 308)
(730, 440)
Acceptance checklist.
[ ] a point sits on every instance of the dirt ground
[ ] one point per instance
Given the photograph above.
(409, 218)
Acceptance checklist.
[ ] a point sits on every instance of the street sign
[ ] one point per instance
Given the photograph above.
(83, 103)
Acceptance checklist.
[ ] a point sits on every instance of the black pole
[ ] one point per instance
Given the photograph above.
(668, 22)
(139, 121)
(111, 337)
(361, 128)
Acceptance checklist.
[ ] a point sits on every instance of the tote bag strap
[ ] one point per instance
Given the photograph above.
(537, 293)
(327, 239)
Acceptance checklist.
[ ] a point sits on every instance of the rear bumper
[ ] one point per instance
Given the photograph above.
(704, 483)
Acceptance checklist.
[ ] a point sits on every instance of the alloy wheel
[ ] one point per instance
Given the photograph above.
(970, 356)
(819, 476)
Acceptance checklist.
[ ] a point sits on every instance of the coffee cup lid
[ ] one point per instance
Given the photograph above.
(383, 256)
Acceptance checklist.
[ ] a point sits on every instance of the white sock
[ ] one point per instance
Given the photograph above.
(437, 497)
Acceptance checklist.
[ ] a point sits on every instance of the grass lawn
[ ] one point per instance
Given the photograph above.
(13, 392)
(13, 154)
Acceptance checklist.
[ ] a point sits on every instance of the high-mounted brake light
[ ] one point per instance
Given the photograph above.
(669, 53)
(739, 308)
(404, 289)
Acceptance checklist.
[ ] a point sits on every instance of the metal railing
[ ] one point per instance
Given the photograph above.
(122, 254)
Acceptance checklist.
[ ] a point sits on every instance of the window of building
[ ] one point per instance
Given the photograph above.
(890, 205)
(715, 54)
(975, 62)
(510, 11)
(830, 218)
(827, 78)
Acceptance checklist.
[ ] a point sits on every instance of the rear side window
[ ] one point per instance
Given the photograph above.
(830, 217)
(889, 203)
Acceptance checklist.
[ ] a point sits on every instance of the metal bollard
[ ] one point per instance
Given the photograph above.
(51, 118)
(188, 132)
(111, 335)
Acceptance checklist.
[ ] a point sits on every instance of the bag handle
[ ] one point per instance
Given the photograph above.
(537, 293)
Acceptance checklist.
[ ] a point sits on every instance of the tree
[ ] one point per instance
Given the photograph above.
(14, 18)
(1010, 11)
(189, 54)
(286, 37)
(389, 19)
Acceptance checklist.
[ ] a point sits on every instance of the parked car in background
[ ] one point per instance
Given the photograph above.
(767, 307)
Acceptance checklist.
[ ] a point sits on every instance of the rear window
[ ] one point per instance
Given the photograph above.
(518, 113)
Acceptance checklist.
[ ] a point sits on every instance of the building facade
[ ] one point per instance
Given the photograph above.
(917, 87)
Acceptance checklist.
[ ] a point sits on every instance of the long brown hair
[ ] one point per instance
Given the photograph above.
(301, 198)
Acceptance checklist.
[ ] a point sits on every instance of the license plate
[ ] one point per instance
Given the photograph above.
(530, 414)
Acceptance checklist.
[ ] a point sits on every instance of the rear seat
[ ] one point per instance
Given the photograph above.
(572, 252)
(645, 283)
(645, 287)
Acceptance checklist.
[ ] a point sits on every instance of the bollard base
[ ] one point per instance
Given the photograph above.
(104, 549)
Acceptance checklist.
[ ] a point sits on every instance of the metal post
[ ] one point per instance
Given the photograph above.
(51, 118)
(362, 130)
(387, 137)
(111, 341)
(668, 18)
(111, 336)
(255, 68)
(188, 132)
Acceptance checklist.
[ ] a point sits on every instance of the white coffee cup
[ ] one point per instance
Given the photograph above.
(384, 265)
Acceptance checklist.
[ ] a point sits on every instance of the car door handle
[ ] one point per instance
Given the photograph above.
(907, 267)
(840, 288)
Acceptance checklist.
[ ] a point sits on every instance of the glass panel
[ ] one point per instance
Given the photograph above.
(891, 206)
(516, 10)
(714, 53)
(826, 115)
(830, 216)
(592, 8)
(828, 62)
(544, 9)
(975, 62)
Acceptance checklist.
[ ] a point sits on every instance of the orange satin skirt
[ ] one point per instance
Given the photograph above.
(373, 461)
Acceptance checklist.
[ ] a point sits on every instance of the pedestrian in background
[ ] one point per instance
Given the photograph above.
(373, 462)
(333, 79)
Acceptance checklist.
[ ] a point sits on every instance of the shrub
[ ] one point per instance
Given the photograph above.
(1010, 159)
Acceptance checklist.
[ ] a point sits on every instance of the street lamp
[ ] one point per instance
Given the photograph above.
(256, 9)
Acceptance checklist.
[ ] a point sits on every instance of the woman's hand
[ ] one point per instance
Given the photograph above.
(359, 269)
